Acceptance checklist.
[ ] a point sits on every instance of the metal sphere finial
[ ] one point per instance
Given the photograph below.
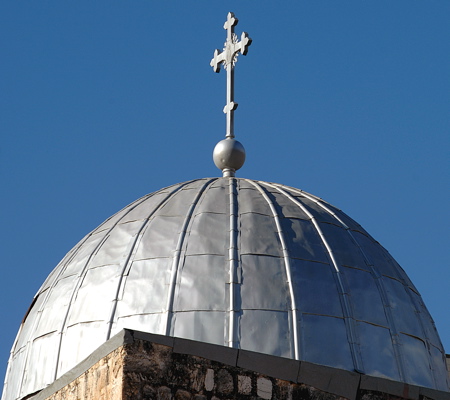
(229, 156)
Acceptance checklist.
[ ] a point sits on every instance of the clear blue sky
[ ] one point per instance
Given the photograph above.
(102, 102)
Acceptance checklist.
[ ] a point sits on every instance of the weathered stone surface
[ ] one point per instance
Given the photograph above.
(142, 370)
(209, 379)
(264, 388)
(148, 392)
(182, 395)
(103, 381)
(283, 390)
(164, 393)
(224, 381)
(368, 395)
(244, 384)
(197, 379)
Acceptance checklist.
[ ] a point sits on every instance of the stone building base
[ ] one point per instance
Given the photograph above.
(140, 366)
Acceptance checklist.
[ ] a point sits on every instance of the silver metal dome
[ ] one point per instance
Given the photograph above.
(239, 263)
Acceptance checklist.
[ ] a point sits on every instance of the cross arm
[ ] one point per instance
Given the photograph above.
(217, 60)
(244, 43)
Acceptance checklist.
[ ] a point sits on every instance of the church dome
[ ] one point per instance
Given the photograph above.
(239, 263)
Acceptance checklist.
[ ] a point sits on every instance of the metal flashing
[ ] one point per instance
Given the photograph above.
(276, 367)
(331, 380)
(214, 352)
(151, 337)
(433, 394)
(335, 381)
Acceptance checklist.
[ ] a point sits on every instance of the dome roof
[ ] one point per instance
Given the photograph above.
(235, 262)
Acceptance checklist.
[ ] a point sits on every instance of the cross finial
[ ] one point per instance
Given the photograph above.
(228, 57)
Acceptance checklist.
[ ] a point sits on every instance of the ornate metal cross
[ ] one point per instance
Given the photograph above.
(229, 57)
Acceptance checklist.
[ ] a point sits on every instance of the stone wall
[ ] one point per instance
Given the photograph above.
(103, 381)
(141, 366)
(153, 371)
(144, 370)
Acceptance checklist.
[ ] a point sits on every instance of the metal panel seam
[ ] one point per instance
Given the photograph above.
(39, 314)
(233, 262)
(382, 290)
(287, 264)
(428, 344)
(177, 254)
(133, 251)
(55, 281)
(77, 286)
(350, 322)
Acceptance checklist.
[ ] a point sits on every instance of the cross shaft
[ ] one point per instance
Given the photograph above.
(228, 57)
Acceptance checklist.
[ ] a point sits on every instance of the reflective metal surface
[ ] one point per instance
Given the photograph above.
(239, 263)
(229, 156)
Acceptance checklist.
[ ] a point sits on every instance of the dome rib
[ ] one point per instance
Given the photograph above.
(287, 264)
(253, 265)
(233, 263)
(424, 333)
(85, 269)
(346, 307)
(177, 254)
(134, 247)
(392, 326)
(66, 260)
(73, 295)
(61, 268)
(379, 283)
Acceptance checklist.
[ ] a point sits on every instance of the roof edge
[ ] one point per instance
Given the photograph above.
(332, 380)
